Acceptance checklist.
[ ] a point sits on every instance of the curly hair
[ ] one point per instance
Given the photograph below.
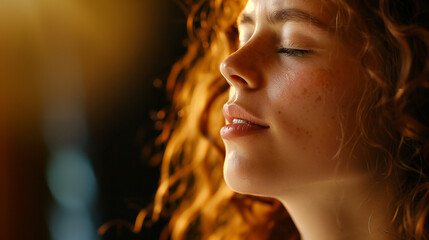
(392, 117)
(394, 113)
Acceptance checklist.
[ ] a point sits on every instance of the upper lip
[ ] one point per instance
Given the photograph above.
(233, 111)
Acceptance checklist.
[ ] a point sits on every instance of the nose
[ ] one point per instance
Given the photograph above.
(242, 69)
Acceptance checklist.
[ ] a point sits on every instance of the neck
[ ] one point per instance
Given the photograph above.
(352, 209)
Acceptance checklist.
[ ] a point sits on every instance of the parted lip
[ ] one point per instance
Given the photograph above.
(233, 111)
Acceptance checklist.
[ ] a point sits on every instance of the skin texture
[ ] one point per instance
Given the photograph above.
(300, 97)
(308, 98)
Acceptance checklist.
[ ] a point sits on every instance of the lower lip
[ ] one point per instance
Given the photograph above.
(236, 130)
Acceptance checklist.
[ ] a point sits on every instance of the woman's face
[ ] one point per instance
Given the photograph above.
(294, 90)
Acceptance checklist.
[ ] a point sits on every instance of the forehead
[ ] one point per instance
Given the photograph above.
(322, 11)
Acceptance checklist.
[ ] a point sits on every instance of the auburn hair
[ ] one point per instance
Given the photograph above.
(392, 122)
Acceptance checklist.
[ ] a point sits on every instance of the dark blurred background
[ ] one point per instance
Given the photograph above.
(82, 99)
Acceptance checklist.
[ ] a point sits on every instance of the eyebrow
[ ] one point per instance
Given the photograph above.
(284, 15)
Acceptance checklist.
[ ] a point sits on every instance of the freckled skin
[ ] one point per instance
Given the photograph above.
(318, 99)
(299, 97)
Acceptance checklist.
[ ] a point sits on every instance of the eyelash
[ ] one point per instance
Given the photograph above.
(294, 52)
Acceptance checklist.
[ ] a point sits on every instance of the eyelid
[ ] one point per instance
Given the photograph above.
(295, 52)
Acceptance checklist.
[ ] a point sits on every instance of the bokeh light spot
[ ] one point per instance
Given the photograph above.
(71, 179)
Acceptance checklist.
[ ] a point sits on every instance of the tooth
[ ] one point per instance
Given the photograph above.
(236, 120)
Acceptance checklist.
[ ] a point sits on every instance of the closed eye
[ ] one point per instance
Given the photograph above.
(294, 52)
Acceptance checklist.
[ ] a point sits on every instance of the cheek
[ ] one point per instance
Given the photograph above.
(306, 98)
(309, 90)
(307, 108)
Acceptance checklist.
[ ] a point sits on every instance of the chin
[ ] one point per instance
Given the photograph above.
(248, 176)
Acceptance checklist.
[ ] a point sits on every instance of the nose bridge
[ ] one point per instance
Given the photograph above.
(243, 68)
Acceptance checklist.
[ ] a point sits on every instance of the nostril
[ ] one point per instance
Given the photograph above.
(238, 80)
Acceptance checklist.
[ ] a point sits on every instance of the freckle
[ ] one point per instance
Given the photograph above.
(318, 99)
(304, 92)
(328, 86)
(279, 112)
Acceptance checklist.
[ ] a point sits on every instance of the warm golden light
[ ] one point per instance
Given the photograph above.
(59, 61)
(250, 7)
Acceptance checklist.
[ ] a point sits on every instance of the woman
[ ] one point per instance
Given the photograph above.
(325, 115)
